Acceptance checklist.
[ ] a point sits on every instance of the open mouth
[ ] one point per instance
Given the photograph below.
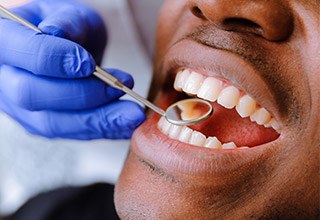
(243, 131)
(238, 121)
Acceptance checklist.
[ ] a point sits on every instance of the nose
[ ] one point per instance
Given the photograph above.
(270, 19)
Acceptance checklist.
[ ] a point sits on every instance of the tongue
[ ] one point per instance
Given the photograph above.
(228, 126)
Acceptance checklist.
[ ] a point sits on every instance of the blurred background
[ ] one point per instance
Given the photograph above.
(30, 164)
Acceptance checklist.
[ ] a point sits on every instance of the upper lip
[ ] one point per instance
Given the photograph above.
(220, 64)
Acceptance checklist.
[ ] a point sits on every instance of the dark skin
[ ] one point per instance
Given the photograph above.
(280, 39)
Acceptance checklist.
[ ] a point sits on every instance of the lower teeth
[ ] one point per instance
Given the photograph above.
(189, 136)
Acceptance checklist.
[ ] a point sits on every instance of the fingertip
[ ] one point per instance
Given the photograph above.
(134, 115)
(27, 11)
(124, 77)
(140, 115)
(120, 119)
(79, 63)
(67, 22)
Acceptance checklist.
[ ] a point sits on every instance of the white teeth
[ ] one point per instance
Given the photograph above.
(175, 131)
(197, 139)
(161, 123)
(246, 106)
(230, 145)
(210, 89)
(261, 116)
(165, 126)
(272, 123)
(244, 147)
(193, 83)
(189, 136)
(213, 142)
(185, 134)
(229, 97)
(181, 80)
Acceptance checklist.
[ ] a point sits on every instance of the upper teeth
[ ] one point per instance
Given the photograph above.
(212, 89)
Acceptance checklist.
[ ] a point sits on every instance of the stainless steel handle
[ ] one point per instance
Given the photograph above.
(4, 13)
(114, 82)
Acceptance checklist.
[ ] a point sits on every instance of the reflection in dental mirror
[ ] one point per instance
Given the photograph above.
(188, 111)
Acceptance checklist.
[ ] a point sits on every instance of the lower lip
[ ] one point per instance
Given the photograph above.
(173, 156)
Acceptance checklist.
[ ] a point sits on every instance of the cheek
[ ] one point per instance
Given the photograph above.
(168, 19)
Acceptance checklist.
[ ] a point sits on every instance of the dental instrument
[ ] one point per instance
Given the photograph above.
(184, 112)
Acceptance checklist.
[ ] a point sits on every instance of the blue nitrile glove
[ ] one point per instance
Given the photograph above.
(45, 80)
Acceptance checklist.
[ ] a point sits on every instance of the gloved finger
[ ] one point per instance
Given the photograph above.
(30, 12)
(42, 54)
(67, 22)
(43, 93)
(116, 120)
(96, 39)
(72, 20)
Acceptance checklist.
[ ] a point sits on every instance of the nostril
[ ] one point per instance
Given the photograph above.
(271, 20)
(241, 21)
(196, 11)
(242, 24)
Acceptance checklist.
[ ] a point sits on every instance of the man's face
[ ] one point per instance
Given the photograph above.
(258, 62)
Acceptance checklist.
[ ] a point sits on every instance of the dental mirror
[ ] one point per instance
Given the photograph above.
(184, 112)
(188, 111)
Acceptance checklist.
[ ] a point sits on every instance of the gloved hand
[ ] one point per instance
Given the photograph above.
(45, 79)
